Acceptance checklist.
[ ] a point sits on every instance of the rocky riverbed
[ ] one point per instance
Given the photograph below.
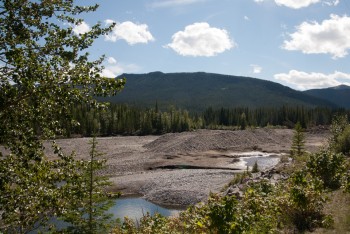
(181, 169)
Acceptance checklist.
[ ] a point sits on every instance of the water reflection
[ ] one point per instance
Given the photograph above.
(135, 208)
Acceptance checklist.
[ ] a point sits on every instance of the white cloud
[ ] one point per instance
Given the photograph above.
(173, 3)
(304, 80)
(246, 18)
(112, 71)
(199, 39)
(296, 4)
(81, 28)
(256, 68)
(111, 60)
(332, 2)
(130, 32)
(109, 21)
(332, 36)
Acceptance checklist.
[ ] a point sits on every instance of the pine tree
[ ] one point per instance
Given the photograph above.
(255, 167)
(243, 121)
(298, 143)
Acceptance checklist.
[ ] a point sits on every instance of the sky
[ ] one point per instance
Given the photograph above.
(303, 44)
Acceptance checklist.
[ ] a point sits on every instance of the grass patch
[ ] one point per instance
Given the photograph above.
(339, 207)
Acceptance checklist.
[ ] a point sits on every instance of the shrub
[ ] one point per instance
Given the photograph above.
(340, 132)
(343, 141)
(258, 209)
(328, 167)
(301, 201)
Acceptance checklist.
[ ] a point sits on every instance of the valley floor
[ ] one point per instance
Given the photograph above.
(181, 169)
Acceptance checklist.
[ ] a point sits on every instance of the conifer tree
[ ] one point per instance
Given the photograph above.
(298, 143)
(88, 214)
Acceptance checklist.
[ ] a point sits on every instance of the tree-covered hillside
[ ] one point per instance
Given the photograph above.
(198, 91)
(339, 95)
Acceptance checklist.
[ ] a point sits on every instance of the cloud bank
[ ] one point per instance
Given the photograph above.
(113, 68)
(199, 39)
(332, 36)
(130, 32)
(303, 80)
(296, 4)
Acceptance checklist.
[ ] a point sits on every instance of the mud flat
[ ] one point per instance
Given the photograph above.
(183, 168)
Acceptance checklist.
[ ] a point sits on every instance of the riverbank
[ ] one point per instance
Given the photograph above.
(181, 169)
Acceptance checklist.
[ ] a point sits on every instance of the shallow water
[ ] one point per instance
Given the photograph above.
(264, 160)
(135, 208)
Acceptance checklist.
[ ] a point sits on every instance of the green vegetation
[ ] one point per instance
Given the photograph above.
(338, 206)
(128, 120)
(45, 70)
(255, 167)
(328, 166)
(339, 95)
(298, 141)
(87, 212)
(47, 85)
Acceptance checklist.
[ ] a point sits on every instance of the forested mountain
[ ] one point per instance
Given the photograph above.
(339, 95)
(198, 91)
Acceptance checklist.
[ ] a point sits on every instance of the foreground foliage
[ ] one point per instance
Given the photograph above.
(45, 70)
(87, 212)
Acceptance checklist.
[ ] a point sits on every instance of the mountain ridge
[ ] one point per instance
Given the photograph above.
(199, 90)
(339, 95)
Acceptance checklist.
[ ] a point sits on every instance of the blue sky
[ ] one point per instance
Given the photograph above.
(303, 44)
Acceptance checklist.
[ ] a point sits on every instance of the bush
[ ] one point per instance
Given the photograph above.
(302, 202)
(343, 141)
(340, 130)
(328, 167)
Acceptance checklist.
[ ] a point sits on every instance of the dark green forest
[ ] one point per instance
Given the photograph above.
(197, 91)
(122, 119)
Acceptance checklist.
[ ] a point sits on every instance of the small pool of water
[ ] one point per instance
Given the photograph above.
(264, 160)
(135, 208)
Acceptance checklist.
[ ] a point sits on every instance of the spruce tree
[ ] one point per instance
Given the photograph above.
(88, 214)
(298, 143)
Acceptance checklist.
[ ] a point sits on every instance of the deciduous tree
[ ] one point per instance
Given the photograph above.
(44, 69)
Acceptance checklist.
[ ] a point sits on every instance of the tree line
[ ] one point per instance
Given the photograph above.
(122, 119)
